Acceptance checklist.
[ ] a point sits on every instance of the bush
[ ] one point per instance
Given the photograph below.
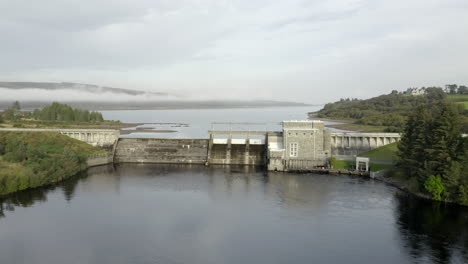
(435, 186)
(29, 160)
(463, 195)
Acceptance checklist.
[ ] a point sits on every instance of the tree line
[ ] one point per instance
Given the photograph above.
(389, 110)
(433, 153)
(455, 89)
(54, 112)
(62, 112)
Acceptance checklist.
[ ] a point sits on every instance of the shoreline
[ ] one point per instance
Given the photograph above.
(96, 161)
(402, 187)
(347, 124)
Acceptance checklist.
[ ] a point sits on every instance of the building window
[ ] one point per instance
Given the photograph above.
(293, 149)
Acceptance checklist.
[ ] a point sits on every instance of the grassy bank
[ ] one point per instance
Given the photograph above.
(347, 164)
(29, 160)
(380, 158)
(459, 99)
(387, 153)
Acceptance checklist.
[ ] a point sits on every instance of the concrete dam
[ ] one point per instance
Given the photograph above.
(188, 151)
(301, 145)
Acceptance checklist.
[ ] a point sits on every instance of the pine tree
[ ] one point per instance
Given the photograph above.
(432, 147)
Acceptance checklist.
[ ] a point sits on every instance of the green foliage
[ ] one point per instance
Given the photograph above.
(390, 111)
(29, 160)
(457, 97)
(435, 186)
(463, 195)
(63, 112)
(379, 167)
(16, 106)
(13, 113)
(386, 153)
(342, 164)
(431, 144)
(463, 90)
(435, 93)
(386, 110)
(348, 165)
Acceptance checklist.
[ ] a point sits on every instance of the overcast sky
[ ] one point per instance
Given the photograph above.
(310, 51)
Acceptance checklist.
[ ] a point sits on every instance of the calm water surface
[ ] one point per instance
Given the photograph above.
(193, 214)
(197, 122)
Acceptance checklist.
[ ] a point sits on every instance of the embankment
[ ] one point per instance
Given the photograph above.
(31, 159)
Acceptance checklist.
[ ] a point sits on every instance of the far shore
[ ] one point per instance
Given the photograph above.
(347, 124)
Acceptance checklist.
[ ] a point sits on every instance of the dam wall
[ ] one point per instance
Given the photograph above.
(238, 154)
(345, 145)
(154, 150)
(189, 151)
(99, 159)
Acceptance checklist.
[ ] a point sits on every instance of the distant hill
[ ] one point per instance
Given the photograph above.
(388, 112)
(155, 105)
(91, 88)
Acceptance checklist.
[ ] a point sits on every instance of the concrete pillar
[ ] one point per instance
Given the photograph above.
(247, 150)
(228, 150)
(210, 146)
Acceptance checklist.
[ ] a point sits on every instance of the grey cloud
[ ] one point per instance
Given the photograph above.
(296, 49)
(312, 18)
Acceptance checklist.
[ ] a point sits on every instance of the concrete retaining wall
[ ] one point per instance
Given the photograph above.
(348, 145)
(152, 150)
(100, 160)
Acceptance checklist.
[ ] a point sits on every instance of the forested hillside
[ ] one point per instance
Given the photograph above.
(433, 154)
(391, 110)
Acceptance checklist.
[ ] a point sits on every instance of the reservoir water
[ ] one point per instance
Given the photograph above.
(155, 213)
(195, 123)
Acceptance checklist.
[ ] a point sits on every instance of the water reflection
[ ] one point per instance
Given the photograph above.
(433, 232)
(28, 198)
(134, 213)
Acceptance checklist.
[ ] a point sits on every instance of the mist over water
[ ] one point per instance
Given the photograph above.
(35, 94)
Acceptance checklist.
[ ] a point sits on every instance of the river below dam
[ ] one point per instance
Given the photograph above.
(135, 213)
